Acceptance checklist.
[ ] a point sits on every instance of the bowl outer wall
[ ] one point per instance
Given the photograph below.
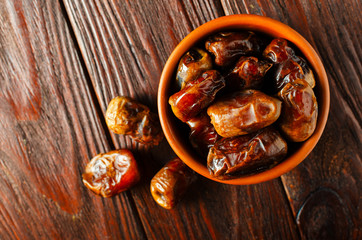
(254, 23)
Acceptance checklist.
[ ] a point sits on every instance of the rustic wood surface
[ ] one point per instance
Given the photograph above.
(50, 127)
(61, 62)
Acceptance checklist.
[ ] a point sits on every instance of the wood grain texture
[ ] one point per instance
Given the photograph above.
(51, 123)
(325, 189)
(125, 45)
(49, 129)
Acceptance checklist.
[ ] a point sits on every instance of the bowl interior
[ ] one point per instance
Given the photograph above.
(176, 132)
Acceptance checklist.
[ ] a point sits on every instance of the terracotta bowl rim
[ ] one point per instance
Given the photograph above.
(255, 23)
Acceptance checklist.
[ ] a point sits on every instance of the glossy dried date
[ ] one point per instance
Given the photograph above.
(196, 95)
(203, 134)
(192, 65)
(278, 51)
(307, 71)
(285, 72)
(108, 174)
(248, 73)
(243, 112)
(227, 47)
(300, 111)
(129, 117)
(170, 183)
(290, 70)
(247, 154)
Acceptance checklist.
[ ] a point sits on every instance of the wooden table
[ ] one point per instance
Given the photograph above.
(62, 61)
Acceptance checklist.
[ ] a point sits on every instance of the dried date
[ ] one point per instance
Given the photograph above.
(192, 65)
(243, 112)
(170, 183)
(196, 95)
(285, 72)
(227, 47)
(278, 51)
(248, 73)
(307, 71)
(203, 134)
(290, 70)
(243, 155)
(129, 117)
(108, 174)
(300, 111)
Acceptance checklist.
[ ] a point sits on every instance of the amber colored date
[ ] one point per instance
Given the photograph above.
(289, 71)
(307, 71)
(248, 73)
(129, 117)
(278, 51)
(108, 174)
(228, 47)
(196, 95)
(236, 156)
(300, 111)
(170, 183)
(243, 112)
(285, 72)
(192, 65)
(203, 134)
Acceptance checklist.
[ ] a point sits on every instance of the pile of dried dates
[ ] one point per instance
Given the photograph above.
(244, 98)
(108, 174)
(241, 96)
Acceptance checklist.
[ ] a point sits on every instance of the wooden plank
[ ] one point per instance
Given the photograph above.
(325, 189)
(49, 129)
(125, 45)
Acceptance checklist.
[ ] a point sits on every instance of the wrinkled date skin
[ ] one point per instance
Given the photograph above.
(108, 174)
(192, 65)
(300, 111)
(170, 183)
(203, 134)
(287, 71)
(243, 112)
(236, 156)
(196, 95)
(227, 47)
(289, 67)
(290, 70)
(129, 117)
(248, 73)
(278, 51)
(307, 71)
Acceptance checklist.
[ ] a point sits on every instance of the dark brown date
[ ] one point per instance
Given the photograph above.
(203, 134)
(227, 47)
(192, 65)
(248, 73)
(108, 174)
(285, 72)
(278, 51)
(170, 183)
(307, 71)
(196, 95)
(243, 112)
(129, 117)
(290, 70)
(243, 155)
(300, 111)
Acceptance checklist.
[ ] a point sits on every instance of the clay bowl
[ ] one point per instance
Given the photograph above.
(176, 132)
